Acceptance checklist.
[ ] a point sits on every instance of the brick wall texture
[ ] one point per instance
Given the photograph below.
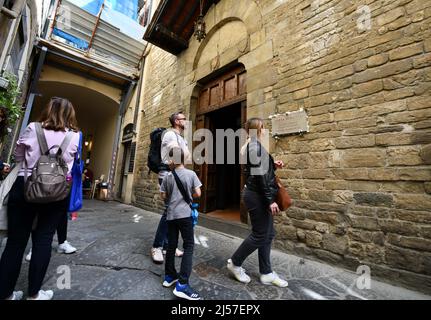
(361, 177)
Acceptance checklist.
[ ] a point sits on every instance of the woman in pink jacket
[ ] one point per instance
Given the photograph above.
(57, 119)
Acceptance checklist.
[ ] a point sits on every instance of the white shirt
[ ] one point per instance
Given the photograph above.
(171, 139)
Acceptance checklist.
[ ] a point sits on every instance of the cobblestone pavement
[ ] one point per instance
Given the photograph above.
(113, 262)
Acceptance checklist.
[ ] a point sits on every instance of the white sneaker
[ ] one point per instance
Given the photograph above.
(273, 278)
(157, 255)
(65, 247)
(16, 295)
(238, 272)
(28, 256)
(43, 295)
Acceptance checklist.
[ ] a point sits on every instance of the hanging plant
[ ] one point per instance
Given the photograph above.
(9, 100)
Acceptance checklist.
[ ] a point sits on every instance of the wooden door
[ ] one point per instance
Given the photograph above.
(211, 187)
(226, 90)
(200, 169)
(242, 210)
(206, 172)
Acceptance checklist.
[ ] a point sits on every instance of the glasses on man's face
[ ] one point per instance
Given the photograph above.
(181, 118)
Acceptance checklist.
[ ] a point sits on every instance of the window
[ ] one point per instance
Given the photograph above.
(132, 157)
(18, 45)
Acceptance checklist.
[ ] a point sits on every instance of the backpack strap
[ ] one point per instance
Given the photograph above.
(41, 138)
(182, 189)
(65, 143)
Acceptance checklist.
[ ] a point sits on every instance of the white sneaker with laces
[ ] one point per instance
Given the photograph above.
(65, 247)
(28, 256)
(157, 255)
(43, 295)
(273, 279)
(16, 295)
(238, 272)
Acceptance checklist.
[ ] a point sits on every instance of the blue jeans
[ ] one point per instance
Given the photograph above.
(161, 238)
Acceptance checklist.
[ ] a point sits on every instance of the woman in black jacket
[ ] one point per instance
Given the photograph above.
(259, 198)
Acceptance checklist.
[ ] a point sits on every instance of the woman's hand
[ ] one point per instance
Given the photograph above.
(279, 164)
(274, 208)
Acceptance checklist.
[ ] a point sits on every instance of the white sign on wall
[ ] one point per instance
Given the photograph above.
(289, 123)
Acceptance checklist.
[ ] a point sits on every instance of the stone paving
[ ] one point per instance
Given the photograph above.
(113, 263)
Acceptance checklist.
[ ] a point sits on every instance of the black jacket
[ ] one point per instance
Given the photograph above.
(260, 171)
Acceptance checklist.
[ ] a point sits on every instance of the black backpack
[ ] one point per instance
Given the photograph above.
(154, 155)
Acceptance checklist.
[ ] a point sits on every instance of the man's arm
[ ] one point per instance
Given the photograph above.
(163, 189)
(197, 193)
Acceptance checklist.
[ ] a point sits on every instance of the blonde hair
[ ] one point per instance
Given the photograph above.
(254, 127)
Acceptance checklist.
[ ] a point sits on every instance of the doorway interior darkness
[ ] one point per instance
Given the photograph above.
(226, 177)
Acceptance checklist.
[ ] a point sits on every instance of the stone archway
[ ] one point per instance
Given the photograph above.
(243, 17)
(250, 46)
(96, 114)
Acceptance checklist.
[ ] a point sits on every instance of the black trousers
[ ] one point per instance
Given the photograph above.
(21, 215)
(262, 232)
(62, 228)
(185, 227)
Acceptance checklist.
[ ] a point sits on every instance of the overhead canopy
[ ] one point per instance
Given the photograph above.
(173, 23)
(115, 41)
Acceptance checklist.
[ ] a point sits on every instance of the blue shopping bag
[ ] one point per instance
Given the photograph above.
(75, 203)
(195, 213)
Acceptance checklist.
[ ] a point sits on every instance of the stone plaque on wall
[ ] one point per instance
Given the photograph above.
(289, 123)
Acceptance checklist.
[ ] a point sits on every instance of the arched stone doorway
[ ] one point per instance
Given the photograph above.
(96, 115)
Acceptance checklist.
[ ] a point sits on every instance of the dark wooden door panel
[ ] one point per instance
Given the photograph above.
(225, 90)
(242, 210)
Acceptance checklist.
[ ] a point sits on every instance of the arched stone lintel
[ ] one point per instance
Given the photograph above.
(52, 74)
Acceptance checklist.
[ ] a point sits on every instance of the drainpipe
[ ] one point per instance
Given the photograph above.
(15, 11)
(138, 98)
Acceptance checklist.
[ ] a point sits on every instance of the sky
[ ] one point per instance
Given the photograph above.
(128, 26)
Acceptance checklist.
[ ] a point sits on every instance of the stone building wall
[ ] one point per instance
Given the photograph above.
(361, 177)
